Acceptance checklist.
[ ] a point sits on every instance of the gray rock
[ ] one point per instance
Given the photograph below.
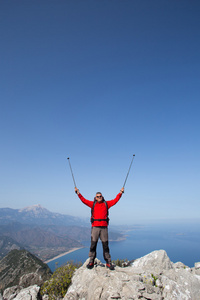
(151, 297)
(152, 277)
(180, 265)
(18, 293)
(158, 283)
(197, 265)
(148, 279)
(29, 293)
(180, 284)
(11, 293)
(156, 261)
(196, 269)
(101, 283)
(32, 278)
(45, 297)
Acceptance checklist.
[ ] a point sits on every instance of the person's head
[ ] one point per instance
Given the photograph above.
(99, 197)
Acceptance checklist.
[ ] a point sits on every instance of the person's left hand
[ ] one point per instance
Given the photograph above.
(122, 190)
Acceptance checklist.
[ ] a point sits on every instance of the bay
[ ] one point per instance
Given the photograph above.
(180, 241)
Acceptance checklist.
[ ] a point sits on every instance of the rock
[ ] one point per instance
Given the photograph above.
(196, 268)
(45, 297)
(156, 261)
(197, 265)
(11, 293)
(152, 277)
(151, 297)
(29, 293)
(101, 283)
(180, 284)
(180, 265)
(32, 278)
(158, 283)
(18, 293)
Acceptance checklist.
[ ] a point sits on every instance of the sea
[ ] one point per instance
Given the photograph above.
(180, 241)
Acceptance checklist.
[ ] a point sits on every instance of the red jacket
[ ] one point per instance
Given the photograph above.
(100, 210)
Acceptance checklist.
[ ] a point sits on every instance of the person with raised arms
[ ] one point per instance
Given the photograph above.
(100, 220)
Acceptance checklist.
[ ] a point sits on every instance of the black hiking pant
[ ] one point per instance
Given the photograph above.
(102, 233)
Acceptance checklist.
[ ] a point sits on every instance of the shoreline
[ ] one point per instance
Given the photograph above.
(62, 254)
(75, 249)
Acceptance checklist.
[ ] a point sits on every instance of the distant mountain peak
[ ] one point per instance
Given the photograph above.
(33, 208)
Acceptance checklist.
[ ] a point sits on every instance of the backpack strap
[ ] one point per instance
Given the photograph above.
(92, 210)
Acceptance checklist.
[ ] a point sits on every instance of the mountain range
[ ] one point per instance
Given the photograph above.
(37, 214)
(43, 233)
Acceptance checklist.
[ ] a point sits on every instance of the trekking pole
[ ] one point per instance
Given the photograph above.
(71, 172)
(128, 170)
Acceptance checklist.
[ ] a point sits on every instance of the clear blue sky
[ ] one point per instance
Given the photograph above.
(99, 81)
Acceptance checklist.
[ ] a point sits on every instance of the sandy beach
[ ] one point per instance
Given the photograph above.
(62, 254)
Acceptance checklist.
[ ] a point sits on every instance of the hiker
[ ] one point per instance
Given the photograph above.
(99, 219)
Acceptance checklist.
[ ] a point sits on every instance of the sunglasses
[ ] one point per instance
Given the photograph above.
(98, 196)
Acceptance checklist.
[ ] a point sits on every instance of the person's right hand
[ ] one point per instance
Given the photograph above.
(76, 190)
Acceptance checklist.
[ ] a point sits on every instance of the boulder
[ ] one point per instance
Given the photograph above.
(29, 293)
(18, 293)
(156, 261)
(11, 293)
(152, 277)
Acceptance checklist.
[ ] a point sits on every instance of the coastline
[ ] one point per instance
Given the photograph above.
(62, 254)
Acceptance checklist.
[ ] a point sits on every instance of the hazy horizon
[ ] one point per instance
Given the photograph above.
(114, 223)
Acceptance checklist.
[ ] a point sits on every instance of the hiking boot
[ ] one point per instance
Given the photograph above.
(90, 265)
(110, 266)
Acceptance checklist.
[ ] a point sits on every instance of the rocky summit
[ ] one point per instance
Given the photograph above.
(152, 277)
